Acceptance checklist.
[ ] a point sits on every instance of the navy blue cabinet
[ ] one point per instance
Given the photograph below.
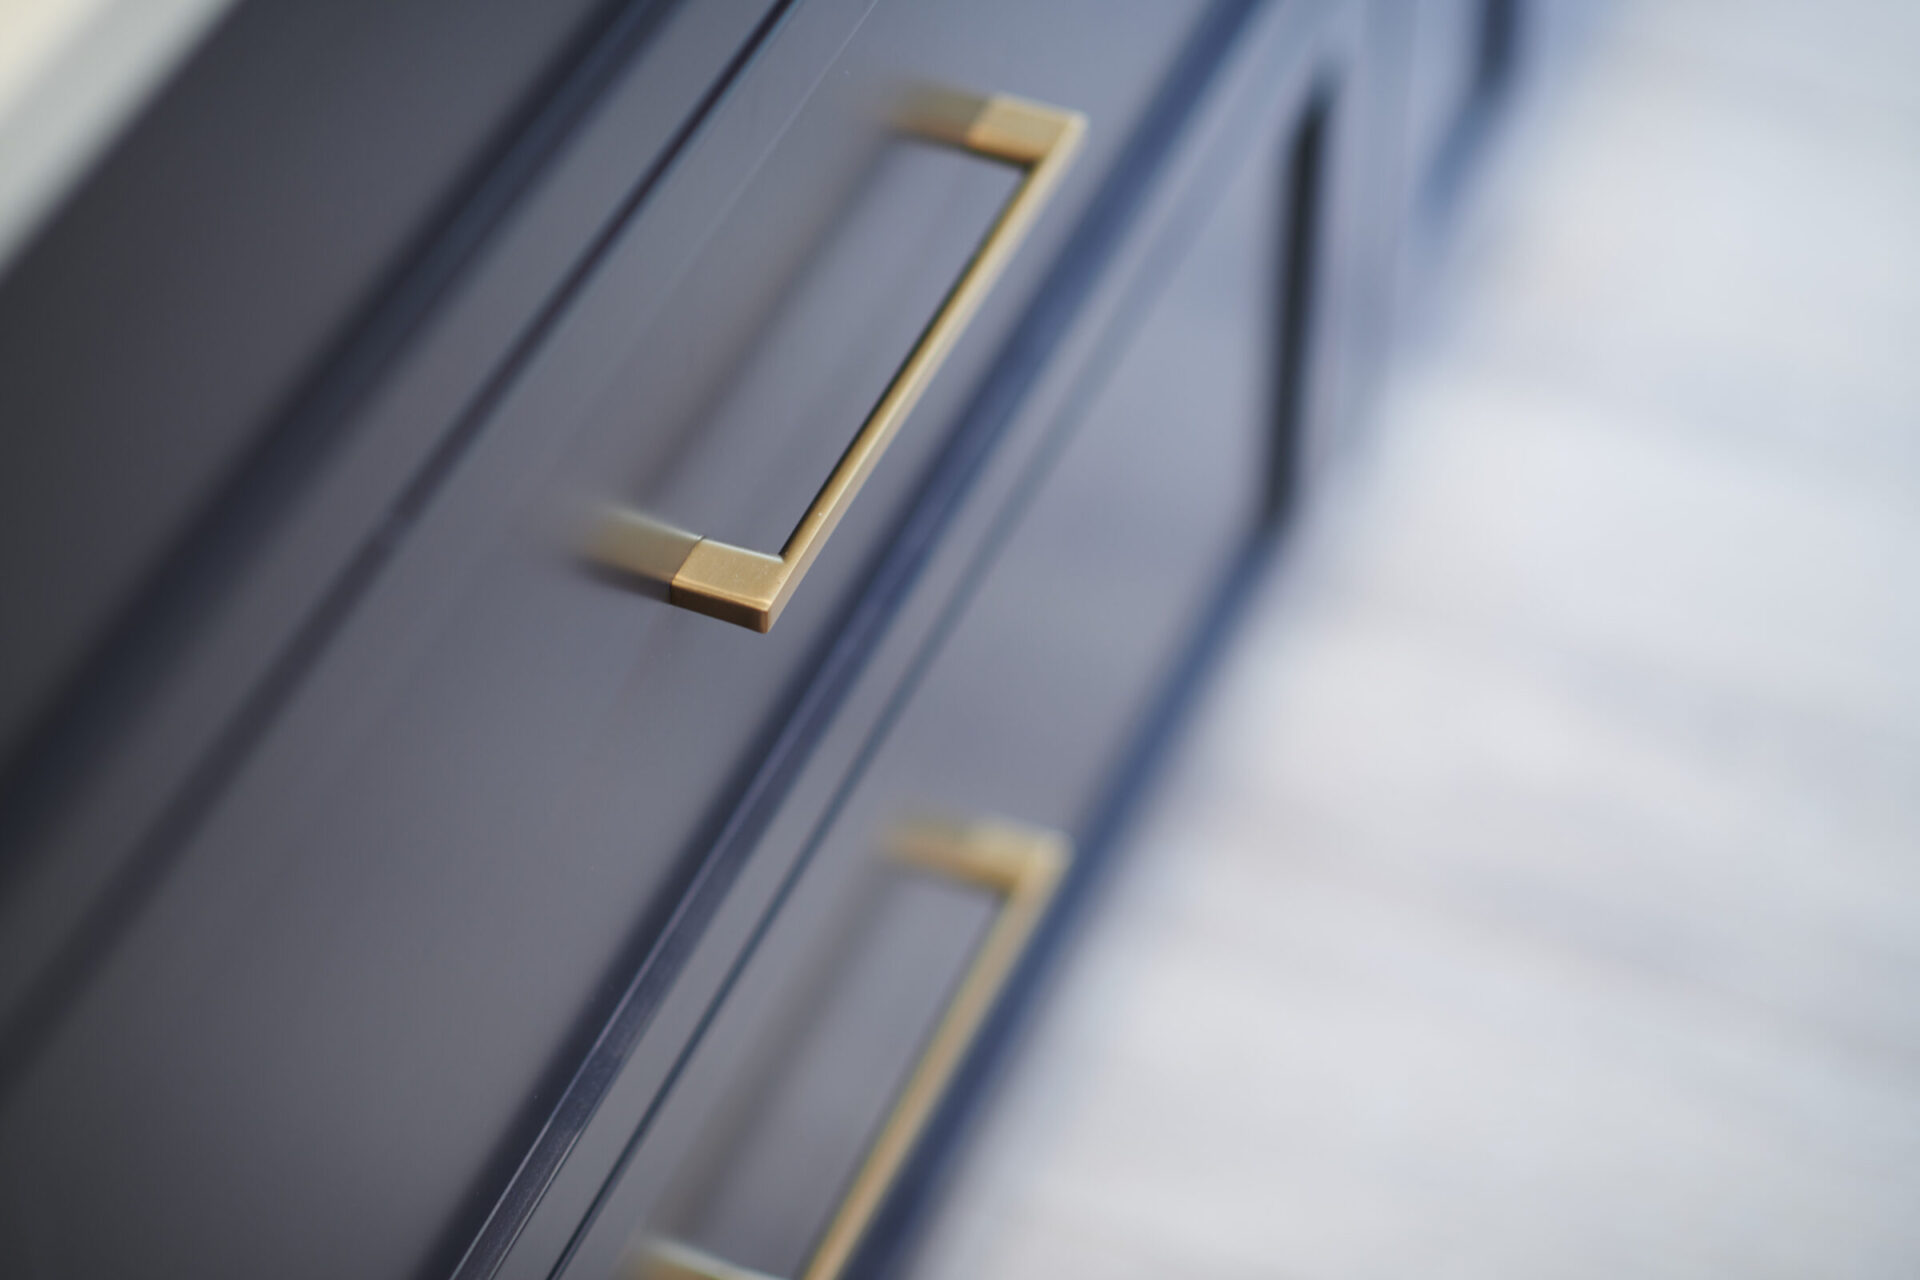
(391, 888)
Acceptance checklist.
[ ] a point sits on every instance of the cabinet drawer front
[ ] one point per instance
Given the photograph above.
(1150, 479)
(332, 1031)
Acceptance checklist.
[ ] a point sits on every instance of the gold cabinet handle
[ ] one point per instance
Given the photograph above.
(750, 588)
(1024, 866)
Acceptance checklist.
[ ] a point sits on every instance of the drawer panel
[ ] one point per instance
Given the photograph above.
(143, 356)
(332, 1031)
(78, 814)
(1150, 477)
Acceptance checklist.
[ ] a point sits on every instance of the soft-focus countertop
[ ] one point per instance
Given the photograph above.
(72, 73)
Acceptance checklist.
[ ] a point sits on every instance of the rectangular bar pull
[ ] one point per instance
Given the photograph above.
(1023, 866)
(750, 588)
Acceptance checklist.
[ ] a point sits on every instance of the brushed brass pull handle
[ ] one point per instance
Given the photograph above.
(1023, 865)
(750, 588)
